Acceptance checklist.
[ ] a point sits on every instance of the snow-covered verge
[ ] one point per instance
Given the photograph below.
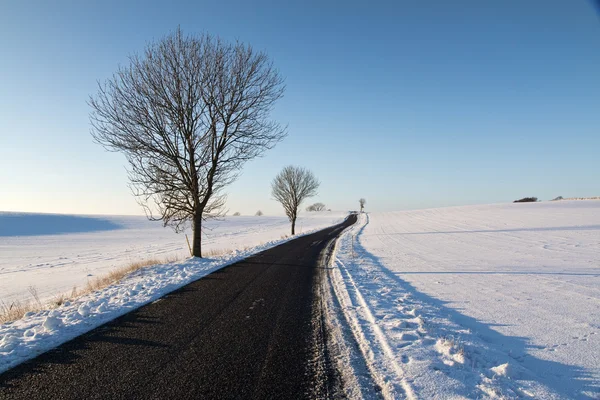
(495, 301)
(55, 253)
(41, 331)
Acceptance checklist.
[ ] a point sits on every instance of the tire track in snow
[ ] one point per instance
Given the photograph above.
(378, 351)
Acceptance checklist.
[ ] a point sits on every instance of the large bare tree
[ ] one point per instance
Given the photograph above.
(187, 114)
(291, 187)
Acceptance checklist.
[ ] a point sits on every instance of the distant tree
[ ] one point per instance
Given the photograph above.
(362, 203)
(526, 200)
(291, 187)
(316, 207)
(259, 213)
(187, 114)
(236, 214)
(557, 198)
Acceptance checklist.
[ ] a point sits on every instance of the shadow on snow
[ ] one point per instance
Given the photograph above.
(545, 229)
(572, 381)
(25, 224)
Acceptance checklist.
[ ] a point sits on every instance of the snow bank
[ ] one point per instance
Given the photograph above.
(495, 301)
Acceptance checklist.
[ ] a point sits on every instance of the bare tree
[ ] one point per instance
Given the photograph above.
(291, 187)
(259, 213)
(362, 203)
(316, 207)
(187, 114)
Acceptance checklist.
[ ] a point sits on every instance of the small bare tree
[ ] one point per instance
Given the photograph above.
(259, 213)
(316, 207)
(362, 203)
(291, 187)
(187, 114)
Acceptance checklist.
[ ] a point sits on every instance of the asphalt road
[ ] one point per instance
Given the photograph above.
(249, 330)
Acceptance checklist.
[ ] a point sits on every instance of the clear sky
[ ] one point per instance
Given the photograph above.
(410, 104)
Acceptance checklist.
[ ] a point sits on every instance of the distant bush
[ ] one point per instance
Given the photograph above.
(236, 214)
(526, 200)
(557, 198)
(316, 207)
(259, 213)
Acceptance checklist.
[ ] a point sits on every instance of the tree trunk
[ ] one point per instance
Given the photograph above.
(293, 226)
(197, 245)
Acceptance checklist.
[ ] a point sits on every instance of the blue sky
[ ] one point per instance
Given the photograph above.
(410, 104)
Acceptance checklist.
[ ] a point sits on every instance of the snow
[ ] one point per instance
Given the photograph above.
(54, 253)
(41, 331)
(491, 301)
(505, 370)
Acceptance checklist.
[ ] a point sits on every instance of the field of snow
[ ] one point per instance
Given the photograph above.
(54, 253)
(492, 301)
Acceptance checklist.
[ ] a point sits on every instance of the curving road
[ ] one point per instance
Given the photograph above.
(250, 330)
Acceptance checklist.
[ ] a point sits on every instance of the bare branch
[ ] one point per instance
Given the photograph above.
(187, 114)
(291, 187)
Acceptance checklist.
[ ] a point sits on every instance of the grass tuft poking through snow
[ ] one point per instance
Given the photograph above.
(452, 350)
(119, 273)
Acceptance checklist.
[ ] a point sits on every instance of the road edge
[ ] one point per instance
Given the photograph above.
(338, 367)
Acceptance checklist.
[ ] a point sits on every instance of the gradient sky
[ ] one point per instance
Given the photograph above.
(411, 104)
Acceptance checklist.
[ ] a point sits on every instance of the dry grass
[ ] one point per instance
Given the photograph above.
(14, 311)
(455, 348)
(216, 252)
(17, 309)
(119, 273)
(223, 252)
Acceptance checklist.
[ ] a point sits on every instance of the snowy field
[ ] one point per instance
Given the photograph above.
(54, 253)
(492, 301)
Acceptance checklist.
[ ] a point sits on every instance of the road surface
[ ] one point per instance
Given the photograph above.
(246, 331)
